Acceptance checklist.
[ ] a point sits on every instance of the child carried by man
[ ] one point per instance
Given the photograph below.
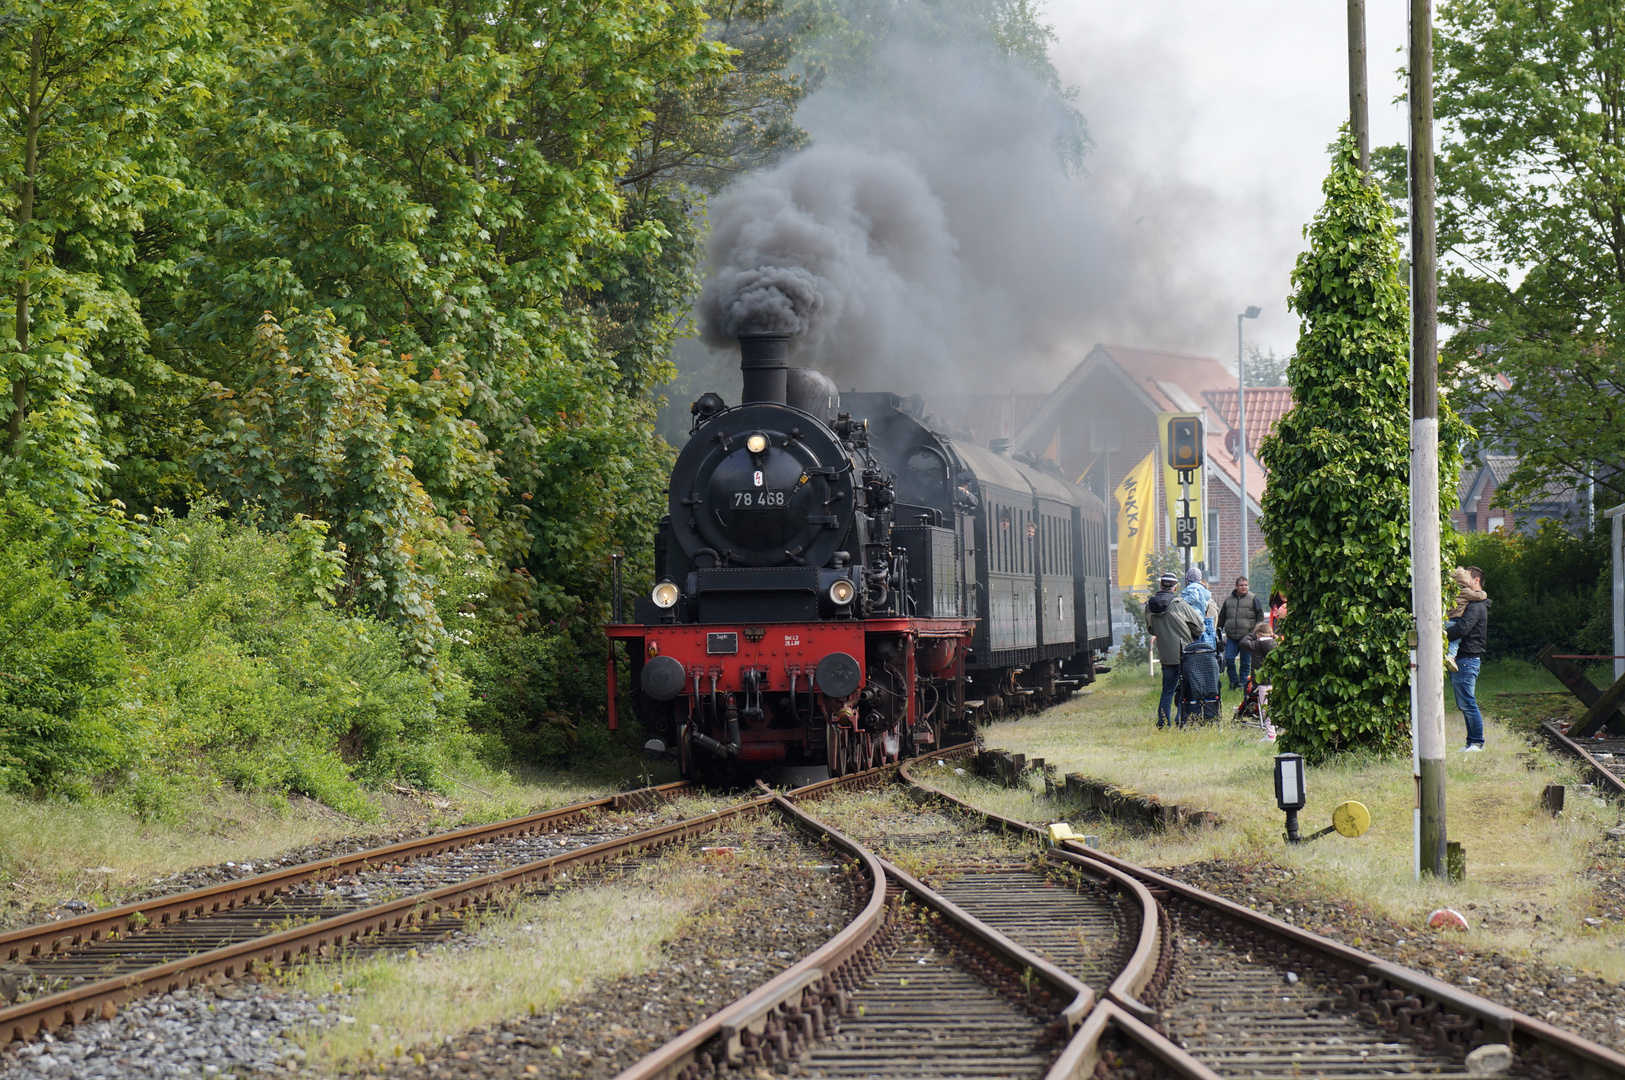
(1466, 592)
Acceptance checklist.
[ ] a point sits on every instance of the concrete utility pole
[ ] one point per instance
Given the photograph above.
(1616, 529)
(1359, 112)
(1427, 721)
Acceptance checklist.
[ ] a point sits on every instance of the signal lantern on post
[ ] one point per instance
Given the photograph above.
(1185, 443)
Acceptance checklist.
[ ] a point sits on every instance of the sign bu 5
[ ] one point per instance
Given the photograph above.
(1185, 442)
(1185, 532)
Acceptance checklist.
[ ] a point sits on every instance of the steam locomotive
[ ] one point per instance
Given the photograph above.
(837, 584)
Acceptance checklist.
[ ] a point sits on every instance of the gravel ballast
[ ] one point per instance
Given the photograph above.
(765, 919)
(1586, 1003)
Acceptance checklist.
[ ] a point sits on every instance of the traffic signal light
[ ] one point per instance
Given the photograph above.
(1185, 443)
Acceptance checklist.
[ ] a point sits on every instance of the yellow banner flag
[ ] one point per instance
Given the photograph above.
(1136, 523)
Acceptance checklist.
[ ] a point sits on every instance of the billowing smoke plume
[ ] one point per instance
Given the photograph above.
(928, 239)
(840, 243)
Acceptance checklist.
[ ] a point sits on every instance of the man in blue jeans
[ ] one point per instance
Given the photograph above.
(1173, 624)
(1240, 615)
(1472, 630)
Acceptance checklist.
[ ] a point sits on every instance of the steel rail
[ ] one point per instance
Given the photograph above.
(1383, 990)
(1119, 1011)
(821, 968)
(1014, 955)
(1141, 968)
(1083, 1054)
(814, 978)
(127, 919)
(872, 777)
(1364, 977)
(101, 998)
(1599, 772)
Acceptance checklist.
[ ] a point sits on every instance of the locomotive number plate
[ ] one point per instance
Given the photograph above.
(760, 498)
(722, 644)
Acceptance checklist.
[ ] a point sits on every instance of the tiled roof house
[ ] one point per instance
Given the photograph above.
(1480, 482)
(1101, 421)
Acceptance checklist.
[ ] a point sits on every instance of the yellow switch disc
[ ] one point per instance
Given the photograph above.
(1351, 818)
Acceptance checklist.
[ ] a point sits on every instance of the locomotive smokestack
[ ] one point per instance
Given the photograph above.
(764, 360)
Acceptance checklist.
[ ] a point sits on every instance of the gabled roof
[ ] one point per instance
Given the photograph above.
(1172, 382)
(1499, 468)
(1265, 407)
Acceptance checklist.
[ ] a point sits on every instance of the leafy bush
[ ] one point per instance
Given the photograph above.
(245, 675)
(316, 434)
(60, 668)
(1546, 587)
(1134, 650)
(1337, 512)
(537, 694)
(229, 665)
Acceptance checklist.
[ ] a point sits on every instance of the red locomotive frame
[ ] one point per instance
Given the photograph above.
(785, 656)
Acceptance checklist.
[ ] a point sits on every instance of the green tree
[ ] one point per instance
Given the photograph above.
(1532, 205)
(88, 161)
(448, 179)
(1265, 368)
(1337, 511)
(316, 437)
(60, 667)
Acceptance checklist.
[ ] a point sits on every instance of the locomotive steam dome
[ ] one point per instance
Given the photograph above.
(766, 483)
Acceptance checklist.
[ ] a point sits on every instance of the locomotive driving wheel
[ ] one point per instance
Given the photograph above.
(848, 751)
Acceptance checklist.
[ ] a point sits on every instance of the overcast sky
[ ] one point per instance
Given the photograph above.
(1211, 123)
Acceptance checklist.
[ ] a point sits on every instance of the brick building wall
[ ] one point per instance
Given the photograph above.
(1227, 505)
(1121, 424)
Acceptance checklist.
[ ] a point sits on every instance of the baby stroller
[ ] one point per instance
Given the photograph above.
(1198, 683)
(1253, 710)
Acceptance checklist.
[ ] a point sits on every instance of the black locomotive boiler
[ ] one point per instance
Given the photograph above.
(838, 584)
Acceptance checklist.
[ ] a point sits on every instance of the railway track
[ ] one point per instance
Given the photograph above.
(396, 896)
(1077, 964)
(401, 894)
(1011, 958)
(1603, 759)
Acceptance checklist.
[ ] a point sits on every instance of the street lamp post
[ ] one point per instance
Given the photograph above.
(1241, 421)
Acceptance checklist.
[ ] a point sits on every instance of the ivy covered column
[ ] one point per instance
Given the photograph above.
(1337, 510)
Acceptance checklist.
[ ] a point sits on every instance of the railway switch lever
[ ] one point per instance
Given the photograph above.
(1289, 792)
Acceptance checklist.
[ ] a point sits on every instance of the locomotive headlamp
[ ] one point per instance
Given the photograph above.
(842, 591)
(665, 595)
(756, 443)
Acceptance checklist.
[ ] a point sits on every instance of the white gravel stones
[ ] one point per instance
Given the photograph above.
(186, 1034)
(1490, 1059)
